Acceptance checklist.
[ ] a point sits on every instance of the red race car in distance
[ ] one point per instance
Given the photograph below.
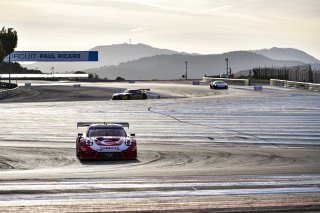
(105, 141)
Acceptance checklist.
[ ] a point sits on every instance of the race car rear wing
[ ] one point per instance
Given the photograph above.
(82, 124)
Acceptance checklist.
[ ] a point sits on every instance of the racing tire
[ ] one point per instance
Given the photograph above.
(77, 148)
(144, 96)
(81, 159)
(132, 159)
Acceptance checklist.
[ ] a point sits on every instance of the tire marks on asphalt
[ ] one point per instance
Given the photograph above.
(96, 189)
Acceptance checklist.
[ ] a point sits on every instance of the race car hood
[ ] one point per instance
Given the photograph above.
(123, 93)
(221, 84)
(108, 140)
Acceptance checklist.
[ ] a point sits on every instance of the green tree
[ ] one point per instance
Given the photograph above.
(8, 39)
(93, 76)
(80, 72)
(119, 78)
(2, 53)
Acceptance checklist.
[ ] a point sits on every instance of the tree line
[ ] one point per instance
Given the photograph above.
(8, 42)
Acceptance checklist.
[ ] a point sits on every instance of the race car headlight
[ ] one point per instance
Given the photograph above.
(89, 142)
(128, 142)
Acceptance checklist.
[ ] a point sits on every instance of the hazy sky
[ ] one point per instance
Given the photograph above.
(201, 26)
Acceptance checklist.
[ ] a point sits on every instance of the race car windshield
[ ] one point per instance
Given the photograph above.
(96, 132)
(130, 91)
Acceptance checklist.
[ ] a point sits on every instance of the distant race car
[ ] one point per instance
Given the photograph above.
(218, 85)
(131, 94)
(105, 141)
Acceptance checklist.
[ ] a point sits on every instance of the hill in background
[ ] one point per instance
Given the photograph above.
(287, 54)
(163, 67)
(140, 61)
(108, 55)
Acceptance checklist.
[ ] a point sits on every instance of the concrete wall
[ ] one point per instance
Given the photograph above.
(295, 84)
(43, 76)
(8, 90)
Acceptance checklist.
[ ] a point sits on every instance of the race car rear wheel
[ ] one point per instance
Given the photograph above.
(144, 96)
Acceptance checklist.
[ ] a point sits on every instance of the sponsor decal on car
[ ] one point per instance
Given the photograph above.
(109, 148)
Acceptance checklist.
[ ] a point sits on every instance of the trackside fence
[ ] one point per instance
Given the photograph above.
(301, 73)
(8, 90)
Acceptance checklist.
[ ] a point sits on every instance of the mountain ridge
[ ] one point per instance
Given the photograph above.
(165, 67)
(287, 54)
(122, 58)
(108, 55)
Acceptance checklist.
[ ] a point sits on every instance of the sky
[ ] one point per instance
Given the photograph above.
(193, 26)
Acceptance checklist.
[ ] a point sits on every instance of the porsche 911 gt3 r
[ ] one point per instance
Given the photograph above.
(130, 94)
(105, 141)
(218, 85)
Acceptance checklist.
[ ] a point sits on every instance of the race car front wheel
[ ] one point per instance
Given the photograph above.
(77, 153)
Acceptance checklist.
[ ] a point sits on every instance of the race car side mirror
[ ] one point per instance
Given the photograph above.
(132, 135)
(80, 135)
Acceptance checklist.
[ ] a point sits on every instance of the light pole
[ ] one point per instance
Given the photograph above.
(10, 70)
(227, 68)
(186, 70)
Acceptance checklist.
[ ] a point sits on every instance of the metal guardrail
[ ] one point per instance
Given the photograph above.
(243, 82)
(295, 84)
(8, 90)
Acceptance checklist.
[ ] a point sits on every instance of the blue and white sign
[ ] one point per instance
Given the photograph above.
(53, 56)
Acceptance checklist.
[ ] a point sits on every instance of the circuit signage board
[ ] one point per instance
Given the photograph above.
(53, 56)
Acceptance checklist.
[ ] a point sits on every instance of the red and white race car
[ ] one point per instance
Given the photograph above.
(105, 141)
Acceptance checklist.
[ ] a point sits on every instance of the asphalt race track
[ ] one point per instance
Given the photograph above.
(198, 150)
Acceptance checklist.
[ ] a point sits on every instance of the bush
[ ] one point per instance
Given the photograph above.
(120, 79)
